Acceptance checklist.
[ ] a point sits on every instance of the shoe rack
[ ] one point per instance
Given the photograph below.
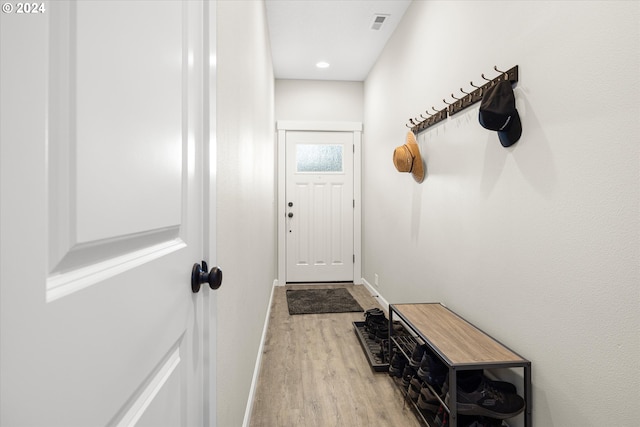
(459, 345)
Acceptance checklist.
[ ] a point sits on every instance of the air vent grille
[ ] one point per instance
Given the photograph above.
(378, 21)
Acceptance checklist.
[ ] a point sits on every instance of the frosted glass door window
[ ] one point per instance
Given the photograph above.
(319, 158)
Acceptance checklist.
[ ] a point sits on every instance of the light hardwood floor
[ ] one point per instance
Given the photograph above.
(315, 373)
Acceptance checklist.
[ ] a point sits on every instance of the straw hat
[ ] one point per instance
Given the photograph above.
(407, 158)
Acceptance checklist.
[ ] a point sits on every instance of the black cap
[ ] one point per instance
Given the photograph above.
(498, 112)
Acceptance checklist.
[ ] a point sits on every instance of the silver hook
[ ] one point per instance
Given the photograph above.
(410, 127)
(458, 101)
(435, 109)
(506, 75)
(445, 102)
(493, 82)
(467, 93)
(477, 87)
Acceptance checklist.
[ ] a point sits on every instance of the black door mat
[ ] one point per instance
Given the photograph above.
(317, 301)
(371, 348)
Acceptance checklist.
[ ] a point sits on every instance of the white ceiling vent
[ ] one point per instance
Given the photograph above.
(378, 20)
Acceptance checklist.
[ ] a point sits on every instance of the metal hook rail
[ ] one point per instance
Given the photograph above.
(468, 99)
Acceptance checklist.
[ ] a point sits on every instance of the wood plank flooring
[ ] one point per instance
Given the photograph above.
(315, 373)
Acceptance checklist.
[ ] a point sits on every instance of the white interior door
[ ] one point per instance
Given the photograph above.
(319, 206)
(101, 214)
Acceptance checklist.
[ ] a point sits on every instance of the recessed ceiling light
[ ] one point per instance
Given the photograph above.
(322, 64)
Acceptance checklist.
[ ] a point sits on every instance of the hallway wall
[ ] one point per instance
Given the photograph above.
(319, 100)
(246, 222)
(537, 244)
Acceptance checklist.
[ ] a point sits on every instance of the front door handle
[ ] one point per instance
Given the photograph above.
(200, 275)
(290, 214)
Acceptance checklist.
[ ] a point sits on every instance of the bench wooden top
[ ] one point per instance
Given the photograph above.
(454, 338)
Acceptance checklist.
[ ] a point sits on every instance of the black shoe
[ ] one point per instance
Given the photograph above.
(379, 332)
(383, 353)
(400, 330)
(437, 372)
(487, 401)
(407, 374)
(376, 324)
(502, 386)
(398, 362)
(414, 389)
(416, 356)
(382, 332)
(427, 400)
(469, 380)
(423, 371)
(374, 316)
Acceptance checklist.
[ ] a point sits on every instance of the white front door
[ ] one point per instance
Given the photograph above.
(101, 214)
(319, 206)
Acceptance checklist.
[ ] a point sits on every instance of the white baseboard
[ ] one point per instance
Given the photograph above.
(374, 293)
(256, 369)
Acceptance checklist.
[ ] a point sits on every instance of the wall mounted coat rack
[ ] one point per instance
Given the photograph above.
(467, 99)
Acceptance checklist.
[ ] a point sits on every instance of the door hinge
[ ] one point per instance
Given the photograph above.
(354, 203)
(354, 258)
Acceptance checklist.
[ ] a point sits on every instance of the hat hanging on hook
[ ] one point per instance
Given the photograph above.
(406, 158)
(498, 113)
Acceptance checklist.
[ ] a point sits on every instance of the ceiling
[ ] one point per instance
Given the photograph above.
(305, 32)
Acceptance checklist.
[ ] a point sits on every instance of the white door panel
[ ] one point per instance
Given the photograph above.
(319, 175)
(137, 144)
(101, 214)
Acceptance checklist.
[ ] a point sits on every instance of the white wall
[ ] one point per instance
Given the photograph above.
(316, 100)
(246, 220)
(537, 244)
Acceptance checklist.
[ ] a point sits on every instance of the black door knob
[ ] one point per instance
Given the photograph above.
(290, 214)
(200, 275)
(290, 204)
